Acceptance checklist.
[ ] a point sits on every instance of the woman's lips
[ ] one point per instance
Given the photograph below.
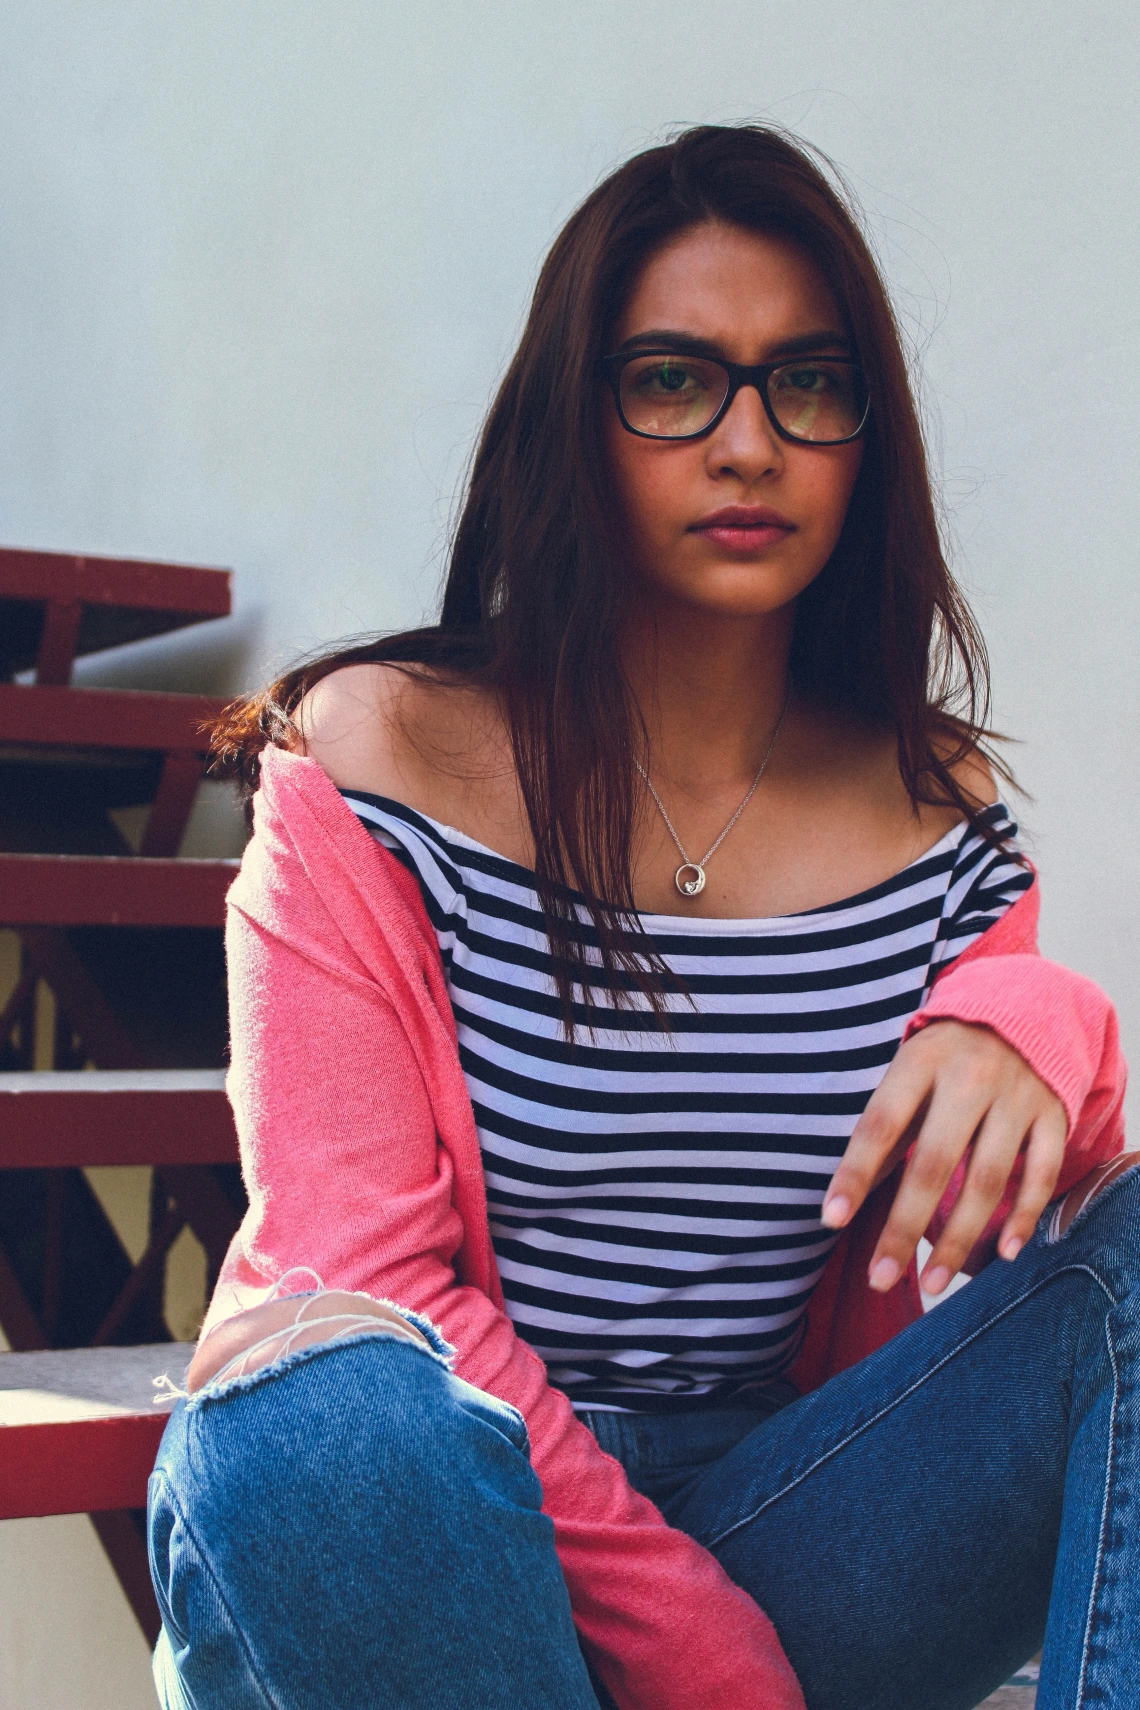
(742, 530)
(734, 538)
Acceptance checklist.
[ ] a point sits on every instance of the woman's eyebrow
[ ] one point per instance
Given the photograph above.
(823, 338)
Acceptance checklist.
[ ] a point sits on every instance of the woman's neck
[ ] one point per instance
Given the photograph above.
(710, 688)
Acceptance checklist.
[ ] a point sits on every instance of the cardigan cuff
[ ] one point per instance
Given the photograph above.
(1058, 1021)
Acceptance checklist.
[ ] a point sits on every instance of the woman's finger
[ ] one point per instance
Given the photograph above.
(881, 1135)
(995, 1150)
(1044, 1157)
(947, 1129)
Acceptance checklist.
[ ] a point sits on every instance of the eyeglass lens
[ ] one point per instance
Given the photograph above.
(674, 396)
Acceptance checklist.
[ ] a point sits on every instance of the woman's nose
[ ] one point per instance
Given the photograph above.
(744, 440)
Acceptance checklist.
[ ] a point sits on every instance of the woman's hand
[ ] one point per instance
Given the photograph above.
(952, 1087)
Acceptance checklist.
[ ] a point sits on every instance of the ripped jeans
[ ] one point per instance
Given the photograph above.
(352, 1527)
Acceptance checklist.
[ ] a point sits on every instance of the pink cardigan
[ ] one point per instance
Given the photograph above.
(362, 1160)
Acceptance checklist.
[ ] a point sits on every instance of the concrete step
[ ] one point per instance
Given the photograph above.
(1018, 1694)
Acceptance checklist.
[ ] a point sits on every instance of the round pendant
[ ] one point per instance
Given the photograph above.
(689, 879)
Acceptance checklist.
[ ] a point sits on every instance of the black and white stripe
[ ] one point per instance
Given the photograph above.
(654, 1197)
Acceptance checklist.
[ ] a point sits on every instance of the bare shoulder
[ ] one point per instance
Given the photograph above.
(975, 778)
(399, 731)
(857, 806)
(876, 754)
(374, 727)
(353, 723)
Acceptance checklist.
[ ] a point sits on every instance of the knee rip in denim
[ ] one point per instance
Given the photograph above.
(1100, 1182)
(407, 1326)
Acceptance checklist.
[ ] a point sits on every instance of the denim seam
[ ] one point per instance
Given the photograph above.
(277, 1368)
(271, 1702)
(1098, 1574)
(821, 1460)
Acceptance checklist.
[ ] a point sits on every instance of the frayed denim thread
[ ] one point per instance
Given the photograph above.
(440, 1351)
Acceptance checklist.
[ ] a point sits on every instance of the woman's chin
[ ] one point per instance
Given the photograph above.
(736, 589)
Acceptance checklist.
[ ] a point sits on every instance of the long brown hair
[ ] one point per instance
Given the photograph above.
(532, 599)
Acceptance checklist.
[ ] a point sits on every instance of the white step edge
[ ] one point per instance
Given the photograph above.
(90, 1081)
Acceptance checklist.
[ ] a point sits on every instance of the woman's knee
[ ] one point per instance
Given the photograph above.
(371, 1431)
(354, 1486)
(334, 1533)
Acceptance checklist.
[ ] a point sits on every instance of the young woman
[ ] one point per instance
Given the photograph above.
(626, 973)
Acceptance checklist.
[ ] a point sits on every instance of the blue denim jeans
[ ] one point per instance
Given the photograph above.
(355, 1526)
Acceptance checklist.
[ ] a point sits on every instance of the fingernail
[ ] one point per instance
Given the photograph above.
(935, 1280)
(836, 1211)
(1011, 1246)
(885, 1274)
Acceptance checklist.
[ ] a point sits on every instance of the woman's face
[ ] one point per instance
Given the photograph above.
(749, 298)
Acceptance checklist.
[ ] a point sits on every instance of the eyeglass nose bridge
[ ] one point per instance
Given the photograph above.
(739, 380)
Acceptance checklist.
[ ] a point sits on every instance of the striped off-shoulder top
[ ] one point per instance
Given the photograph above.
(654, 1196)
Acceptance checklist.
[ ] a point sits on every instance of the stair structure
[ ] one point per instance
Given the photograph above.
(112, 1035)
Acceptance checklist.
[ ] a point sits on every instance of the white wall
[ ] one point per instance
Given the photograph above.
(262, 264)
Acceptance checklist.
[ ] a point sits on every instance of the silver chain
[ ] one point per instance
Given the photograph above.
(694, 886)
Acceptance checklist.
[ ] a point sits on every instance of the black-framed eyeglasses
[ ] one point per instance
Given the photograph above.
(666, 394)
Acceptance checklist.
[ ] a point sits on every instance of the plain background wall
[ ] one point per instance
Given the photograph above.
(262, 264)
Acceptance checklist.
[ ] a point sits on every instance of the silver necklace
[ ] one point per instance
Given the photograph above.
(690, 875)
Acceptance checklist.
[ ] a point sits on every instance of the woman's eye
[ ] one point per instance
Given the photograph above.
(667, 378)
(805, 379)
(673, 379)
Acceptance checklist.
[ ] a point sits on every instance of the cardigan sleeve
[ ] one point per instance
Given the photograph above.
(346, 1172)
